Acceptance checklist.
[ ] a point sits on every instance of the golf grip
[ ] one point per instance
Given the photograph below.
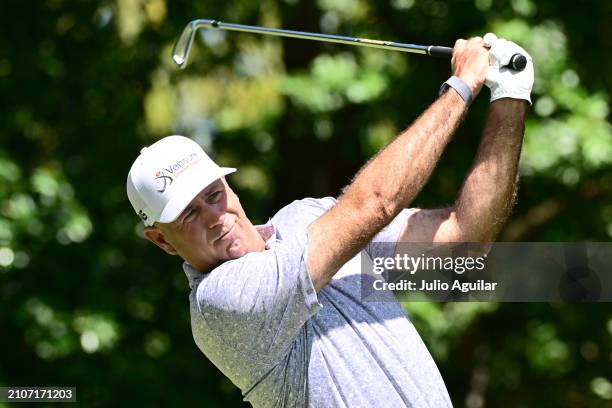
(518, 62)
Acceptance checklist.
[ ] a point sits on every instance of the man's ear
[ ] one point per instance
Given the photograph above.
(156, 236)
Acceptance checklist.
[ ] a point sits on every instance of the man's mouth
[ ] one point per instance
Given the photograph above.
(226, 233)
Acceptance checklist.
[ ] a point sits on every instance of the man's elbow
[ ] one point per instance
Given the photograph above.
(375, 206)
(385, 208)
(458, 228)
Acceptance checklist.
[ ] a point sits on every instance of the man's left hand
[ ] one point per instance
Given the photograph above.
(504, 82)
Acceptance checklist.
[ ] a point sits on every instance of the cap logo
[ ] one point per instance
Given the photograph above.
(167, 174)
(166, 180)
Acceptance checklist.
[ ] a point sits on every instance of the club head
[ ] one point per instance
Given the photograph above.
(182, 47)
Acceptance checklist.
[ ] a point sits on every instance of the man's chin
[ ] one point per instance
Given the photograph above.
(236, 251)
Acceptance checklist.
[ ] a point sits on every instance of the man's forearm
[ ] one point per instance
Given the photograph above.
(395, 176)
(487, 196)
(384, 186)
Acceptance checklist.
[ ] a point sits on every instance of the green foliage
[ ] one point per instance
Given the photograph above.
(87, 302)
(333, 82)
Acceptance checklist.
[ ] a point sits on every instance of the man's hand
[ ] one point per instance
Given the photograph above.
(505, 82)
(470, 62)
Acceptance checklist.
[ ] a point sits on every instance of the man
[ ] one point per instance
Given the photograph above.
(278, 308)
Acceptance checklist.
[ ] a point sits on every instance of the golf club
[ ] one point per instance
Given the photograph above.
(182, 47)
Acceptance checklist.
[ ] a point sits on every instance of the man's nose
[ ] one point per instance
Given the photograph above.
(213, 216)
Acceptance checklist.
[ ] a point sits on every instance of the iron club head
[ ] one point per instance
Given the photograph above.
(182, 47)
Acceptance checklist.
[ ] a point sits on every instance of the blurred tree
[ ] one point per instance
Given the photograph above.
(87, 302)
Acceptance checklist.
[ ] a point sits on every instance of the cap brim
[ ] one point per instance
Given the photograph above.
(177, 204)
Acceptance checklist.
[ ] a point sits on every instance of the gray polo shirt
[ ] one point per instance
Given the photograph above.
(260, 321)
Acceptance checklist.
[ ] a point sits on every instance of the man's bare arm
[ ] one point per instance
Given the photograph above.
(391, 180)
(487, 195)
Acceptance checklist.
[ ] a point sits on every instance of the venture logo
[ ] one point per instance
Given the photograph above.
(168, 174)
(166, 180)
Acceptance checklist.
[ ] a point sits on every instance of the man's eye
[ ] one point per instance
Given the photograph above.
(190, 216)
(214, 197)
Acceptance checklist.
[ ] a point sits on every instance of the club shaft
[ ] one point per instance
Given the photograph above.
(183, 45)
(387, 45)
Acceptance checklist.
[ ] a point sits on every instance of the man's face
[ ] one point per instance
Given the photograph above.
(211, 230)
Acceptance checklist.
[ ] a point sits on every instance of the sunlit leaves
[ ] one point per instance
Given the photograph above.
(602, 387)
(442, 324)
(252, 178)
(133, 15)
(76, 228)
(9, 173)
(159, 105)
(545, 351)
(310, 94)
(35, 210)
(97, 331)
(55, 193)
(571, 133)
(334, 81)
(220, 100)
(523, 7)
(47, 330)
(379, 135)
(20, 207)
(7, 257)
(156, 344)
(402, 4)
(84, 76)
(347, 9)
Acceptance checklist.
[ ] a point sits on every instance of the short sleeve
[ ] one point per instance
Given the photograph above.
(258, 303)
(385, 242)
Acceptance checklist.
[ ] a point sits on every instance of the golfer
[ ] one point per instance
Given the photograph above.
(278, 307)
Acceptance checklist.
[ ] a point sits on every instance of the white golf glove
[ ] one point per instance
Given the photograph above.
(505, 82)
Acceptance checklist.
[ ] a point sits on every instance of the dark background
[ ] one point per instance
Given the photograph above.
(86, 302)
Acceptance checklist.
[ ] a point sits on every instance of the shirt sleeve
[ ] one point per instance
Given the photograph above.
(259, 302)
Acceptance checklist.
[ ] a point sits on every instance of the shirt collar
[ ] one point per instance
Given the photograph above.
(268, 232)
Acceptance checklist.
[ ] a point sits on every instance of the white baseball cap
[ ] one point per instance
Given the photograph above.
(167, 175)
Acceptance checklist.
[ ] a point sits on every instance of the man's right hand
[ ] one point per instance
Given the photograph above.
(470, 62)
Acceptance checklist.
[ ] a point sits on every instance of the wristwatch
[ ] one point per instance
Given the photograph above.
(459, 86)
